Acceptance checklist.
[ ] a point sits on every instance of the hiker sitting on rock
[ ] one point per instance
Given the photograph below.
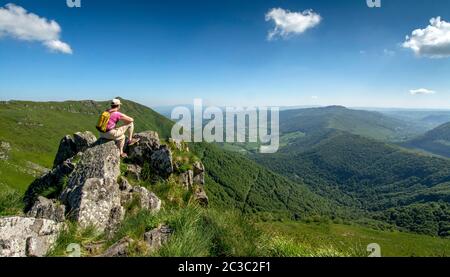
(108, 130)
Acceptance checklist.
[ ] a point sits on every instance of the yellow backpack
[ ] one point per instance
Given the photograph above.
(103, 121)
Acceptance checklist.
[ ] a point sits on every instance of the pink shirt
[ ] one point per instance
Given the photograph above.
(113, 119)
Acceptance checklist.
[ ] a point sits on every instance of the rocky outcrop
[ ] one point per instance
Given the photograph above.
(70, 146)
(142, 151)
(86, 187)
(200, 197)
(83, 140)
(92, 191)
(157, 237)
(24, 236)
(199, 173)
(47, 209)
(147, 200)
(150, 151)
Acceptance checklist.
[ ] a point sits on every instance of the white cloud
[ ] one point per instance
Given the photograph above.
(432, 42)
(18, 23)
(58, 46)
(421, 91)
(287, 22)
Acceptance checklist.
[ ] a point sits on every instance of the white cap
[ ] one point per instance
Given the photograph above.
(116, 102)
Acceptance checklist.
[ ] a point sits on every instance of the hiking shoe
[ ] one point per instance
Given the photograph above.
(133, 141)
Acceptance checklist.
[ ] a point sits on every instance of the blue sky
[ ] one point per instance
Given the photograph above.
(169, 52)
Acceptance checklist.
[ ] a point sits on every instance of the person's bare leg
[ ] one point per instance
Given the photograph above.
(131, 140)
(121, 145)
(130, 131)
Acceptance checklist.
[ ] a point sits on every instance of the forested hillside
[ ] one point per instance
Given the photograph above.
(436, 141)
(374, 176)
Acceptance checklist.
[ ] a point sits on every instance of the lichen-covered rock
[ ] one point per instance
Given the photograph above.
(84, 140)
(47, 209)
(187, 179)
(161, 162)
(142, 151)
(200, 197)
(53, 179)
(157, 237)
(148, 200)
(199, 173)
(69, 146)
(25, 236)
(92, 203)
(92, 190)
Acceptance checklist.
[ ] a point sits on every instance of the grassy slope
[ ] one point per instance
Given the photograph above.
(350, 238)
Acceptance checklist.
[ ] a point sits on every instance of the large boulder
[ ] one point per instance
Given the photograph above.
(53, 179)
(24, 236)
(92, 195)
(84, 140)
(142, 151)
(69, 146)
(161, 162)
(47, 209)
